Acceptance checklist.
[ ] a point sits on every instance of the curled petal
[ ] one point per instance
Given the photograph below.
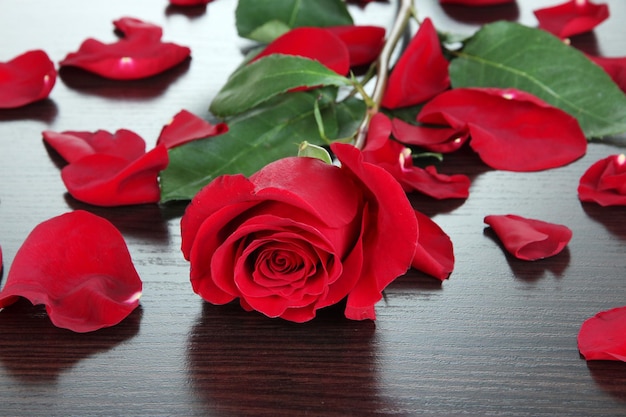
(78, 266)
(132, 27)
(434, 139)
(529, 239)
(603, 336)
(186, 127)
(604, 182)
(364, 42)
(396, 159)
(313, 43)
(421, 72)
(572, 17)
(614, 67)
(73, 146)
(139, 55)
(393, 230)
(435, 253)
(106, 180)
(25, 79)
(509, 129)
(476, 2)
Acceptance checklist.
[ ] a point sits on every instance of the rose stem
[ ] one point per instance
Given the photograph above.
(405, 10)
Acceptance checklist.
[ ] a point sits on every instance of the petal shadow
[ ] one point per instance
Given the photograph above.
(610, 376)
(34, 351)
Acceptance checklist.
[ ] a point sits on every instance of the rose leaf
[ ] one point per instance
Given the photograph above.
(261, 80)
(264, 20)
(510, 55)
(268, 132)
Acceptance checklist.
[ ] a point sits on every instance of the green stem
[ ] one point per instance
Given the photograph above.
(405, 10)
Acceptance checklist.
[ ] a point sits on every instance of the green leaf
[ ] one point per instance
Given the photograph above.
(264, 134)
(269, 76)
(505, 54)
(264, 20)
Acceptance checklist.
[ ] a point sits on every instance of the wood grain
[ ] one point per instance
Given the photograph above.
(497, 338)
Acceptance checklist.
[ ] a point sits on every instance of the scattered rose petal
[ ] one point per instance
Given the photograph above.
(435, 139)
(421, 72)
(73, 146)
(435, 254)
(615, 67)
(190, 3)
(604, 182)
(476, 2)
(139, 54)
(107, 180)
(186, 127)
(364, 42)
(603, 336)
(529, 239)
(313, 43)
(572, 17)
(396, 159)
(26, 79)
(78, 266)
(509, 129)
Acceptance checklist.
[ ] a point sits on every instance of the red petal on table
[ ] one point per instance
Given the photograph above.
(572, 17)
(364, 42)
(435, 139)
(190, 2)
(396, 159)
(615, 67)
(185, 127)
(132, 27)
(313, 43)
(604, 182)
(140, 55)
(529, 239)
(106, 180)
(435, 253)
(421, 72)
(509, 129)
(603, 336)
(78, 266)
(25, 79)
(72, 145)
(476, 2)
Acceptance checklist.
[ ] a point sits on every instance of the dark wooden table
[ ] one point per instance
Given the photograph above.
(497, 338)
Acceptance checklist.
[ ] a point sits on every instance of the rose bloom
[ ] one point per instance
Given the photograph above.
(300, 235)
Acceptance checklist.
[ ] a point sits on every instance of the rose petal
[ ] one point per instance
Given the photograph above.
(572, 17)
(604, 182)
(132, 28)
(396, 159)
(106, 180)
(509, 129)
(421, 72)
(435, 253)
(476, 2)
(79, 267)
(614, 67)
(25, 79)
(392, 231)
(186, 127)
(364, 42)
(313, 43)
(434, 139)
(137, 56)
(73, 146)
(529, 239)
(603, 336)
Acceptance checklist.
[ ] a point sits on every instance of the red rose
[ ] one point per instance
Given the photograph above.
(300, 235)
